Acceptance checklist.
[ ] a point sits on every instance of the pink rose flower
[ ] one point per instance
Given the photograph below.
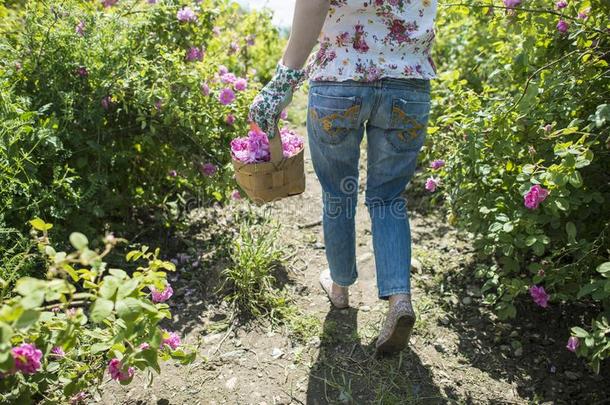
(58, 352)
(241, 84)
(511, 4)
(27, 358)
(205, 89)
(563, 26)
(437, 164)
(573, 344)
(235, 195)
(561, 4)
(535, 196)
(539, 296)
(227, 96)
(222, 70)
(194, 54)
(186, 15)
(230, 120)
(228, 78)
(173, 340)
(208, 169)
(162, 296)
(106, 102)
(431, 184)
(117, 372)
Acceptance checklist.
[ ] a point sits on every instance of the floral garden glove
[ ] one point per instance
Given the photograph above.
(274, 97)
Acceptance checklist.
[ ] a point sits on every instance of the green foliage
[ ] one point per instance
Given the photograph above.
(521, 104)
(250, 280)
(90, 310)
(98, 127)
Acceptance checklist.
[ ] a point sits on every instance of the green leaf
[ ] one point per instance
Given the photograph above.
(29, 285)
(530, 240)
(33, 300)
(528, 169)
(575, 179)
(6, 332)
(151, 358)
(79, 241)
(110, 284)
(40, 225)
(604, 268)
(127, 288)
(101, 309)
(128, 309)
(579, 332)
(588, 289)
(571, 231)
(27, 319)
(100, 347)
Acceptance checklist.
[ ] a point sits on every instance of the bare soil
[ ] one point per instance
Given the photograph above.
(459, 353)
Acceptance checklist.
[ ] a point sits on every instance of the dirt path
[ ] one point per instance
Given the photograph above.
(459, 352)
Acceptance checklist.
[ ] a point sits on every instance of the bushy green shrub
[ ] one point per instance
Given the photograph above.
(521, 125)
(116, 109)
(61, 334)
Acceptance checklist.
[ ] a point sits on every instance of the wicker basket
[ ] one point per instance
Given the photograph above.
(280, 178)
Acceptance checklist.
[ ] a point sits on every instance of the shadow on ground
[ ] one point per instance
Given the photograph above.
(528, 352)
(348, 372)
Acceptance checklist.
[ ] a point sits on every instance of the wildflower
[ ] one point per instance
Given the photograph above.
(584, 14)
(573, 343)
(437, 164)
(186, 15)
(208, 169)
(27, 358)
(172, 340)
(159, 105)
(235, 195)
(216, 31)
(117, 372)
(255, 147)
(539, 296)
(144, 346)
(250, 40)
(226, 96)
(241, 84)
(563, 26)
(173, 173)
(152, 1)
(548, 127)
(431, 184)
(222, 70)
(233, 48)
(230, 120)
(535, 196)
(58, 352)
(284, 115)
(162, 296)
(205, 89)
(109, 3)
(561, 4)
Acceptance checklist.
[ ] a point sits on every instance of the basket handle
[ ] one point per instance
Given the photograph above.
(275, 147)
(275, 144)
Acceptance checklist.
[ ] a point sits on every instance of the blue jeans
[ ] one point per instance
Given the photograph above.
(394, 113)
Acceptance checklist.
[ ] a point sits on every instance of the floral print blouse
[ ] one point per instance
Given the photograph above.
(365, 40)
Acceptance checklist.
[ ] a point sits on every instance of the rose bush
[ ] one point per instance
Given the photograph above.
(60, 336)
(122, 107)
(520, 151)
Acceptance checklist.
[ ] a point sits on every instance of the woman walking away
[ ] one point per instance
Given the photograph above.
(371, 74)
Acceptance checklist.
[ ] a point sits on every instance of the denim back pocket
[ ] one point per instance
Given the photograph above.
(409, 124)
(332, 118)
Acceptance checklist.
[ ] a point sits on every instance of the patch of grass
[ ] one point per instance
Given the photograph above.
(255, 255)
(302, 327)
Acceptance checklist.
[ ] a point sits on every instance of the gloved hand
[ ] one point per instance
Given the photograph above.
(274, 97)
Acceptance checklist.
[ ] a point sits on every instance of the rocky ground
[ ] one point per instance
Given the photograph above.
(460, 352)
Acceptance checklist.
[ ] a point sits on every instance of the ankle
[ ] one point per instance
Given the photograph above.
(395, 299)
(339, 289)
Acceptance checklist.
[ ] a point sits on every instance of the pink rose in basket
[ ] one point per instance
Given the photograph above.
(255, 147)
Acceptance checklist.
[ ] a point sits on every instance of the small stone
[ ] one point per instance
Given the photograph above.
(365, 257)
(518, 352)
(505, 348)
(231, 383)
(365, 308)
(416, 266)
(318, 246)
(466, 300)
(445, 320)
(440, 348)
(276, 353)
(571, 375)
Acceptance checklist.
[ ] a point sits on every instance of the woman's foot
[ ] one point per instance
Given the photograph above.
(394, 335)
(339, 296)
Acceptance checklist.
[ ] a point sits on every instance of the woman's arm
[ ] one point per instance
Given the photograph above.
(309, 16)
(265, 110)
